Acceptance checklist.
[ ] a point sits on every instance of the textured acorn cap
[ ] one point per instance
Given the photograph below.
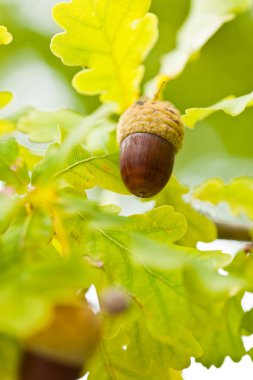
(157, 117)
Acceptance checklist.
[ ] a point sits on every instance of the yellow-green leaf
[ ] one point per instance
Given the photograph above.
(110, 39)
(6, 127)
(5, 98)
(45, 126)
(238, 194)
(204, 20)
(85, 170)
(231, 105)
(199, 227)
(5, 36)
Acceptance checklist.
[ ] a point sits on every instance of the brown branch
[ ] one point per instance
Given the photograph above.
(232, 231)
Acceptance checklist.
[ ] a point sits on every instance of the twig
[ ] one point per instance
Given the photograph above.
(232, 231)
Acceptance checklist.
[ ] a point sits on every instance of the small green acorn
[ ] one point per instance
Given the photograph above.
(150, 133)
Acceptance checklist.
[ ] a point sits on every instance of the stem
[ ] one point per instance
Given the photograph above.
(162, 85)
(34, 366)
(232, 231)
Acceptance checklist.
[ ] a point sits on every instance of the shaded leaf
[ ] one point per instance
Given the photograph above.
(9, 358)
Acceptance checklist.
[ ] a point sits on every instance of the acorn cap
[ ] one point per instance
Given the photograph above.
(157, 117)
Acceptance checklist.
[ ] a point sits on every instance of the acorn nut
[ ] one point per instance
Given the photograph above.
(150, 133)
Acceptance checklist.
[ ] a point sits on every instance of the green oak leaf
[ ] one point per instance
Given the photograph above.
(110, 39)
(242, 265)
(85, 170)
(16, 318)
(13, 170)
(45, 126)
(157, 278)
(96, 130)
(159, 220)
(232, 106)
(9, 357)
(221, 326)
(237, 194)
(142, 357)
(6, 127)
(5, 36)
(9, 208)
(199, 227)
(247, 323)
(5, 98)
(26, 289)
(204, 20)
(68, 161)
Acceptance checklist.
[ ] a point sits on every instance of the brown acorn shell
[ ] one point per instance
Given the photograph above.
(39, 367)
(146, 163)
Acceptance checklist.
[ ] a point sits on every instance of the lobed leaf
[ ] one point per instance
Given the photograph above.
(85, 170)
(231, 106)
(204, 20)
(5, 98)
(141, 358)
(110, 39)
(5, 36)
(45, 126)
(199, 227)
(13, 170)
(237, 194)
(176, 305)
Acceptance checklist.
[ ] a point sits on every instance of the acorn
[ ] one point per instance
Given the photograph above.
(150, 133)
(60, 350)
(114, 301)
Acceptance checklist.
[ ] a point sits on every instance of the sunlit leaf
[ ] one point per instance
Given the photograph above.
(85, 170)
(199, 228)
(110, 39)
(13, 170)
(5, 36)
(139, 264)
(5, 98)
(9, 208)
(45, 126)
(141, 358)
(203, 21)
(231, 106)
(237, 193)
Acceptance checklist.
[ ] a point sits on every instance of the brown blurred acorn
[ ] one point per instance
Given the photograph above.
(61, 349)
(150, 133)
